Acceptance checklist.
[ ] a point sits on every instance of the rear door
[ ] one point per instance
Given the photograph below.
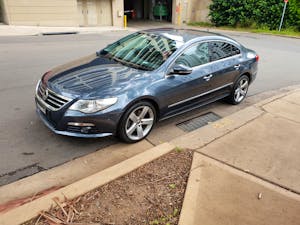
(225, 61)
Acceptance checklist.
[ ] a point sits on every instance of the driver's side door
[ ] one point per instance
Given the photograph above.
(185, 91)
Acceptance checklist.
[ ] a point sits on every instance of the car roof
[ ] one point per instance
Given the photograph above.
(183, 35)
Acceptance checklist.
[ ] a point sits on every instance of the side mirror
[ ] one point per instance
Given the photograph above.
(181, 70)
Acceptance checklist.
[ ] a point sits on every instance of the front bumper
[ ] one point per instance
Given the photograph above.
(61, 121)
(68, 133)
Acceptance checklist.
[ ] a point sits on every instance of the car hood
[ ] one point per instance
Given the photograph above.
(93, 76)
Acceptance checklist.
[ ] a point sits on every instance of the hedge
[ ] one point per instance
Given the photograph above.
(255, 13)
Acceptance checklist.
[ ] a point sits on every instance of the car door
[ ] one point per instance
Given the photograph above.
(182, 91)
(225, 63)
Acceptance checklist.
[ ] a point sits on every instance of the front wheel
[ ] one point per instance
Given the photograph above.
(137, 122)
(239, 90)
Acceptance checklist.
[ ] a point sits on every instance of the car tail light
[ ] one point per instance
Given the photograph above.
(256, 58)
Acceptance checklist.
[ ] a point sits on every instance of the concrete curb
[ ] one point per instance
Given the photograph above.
(30, 210)
(189, 206)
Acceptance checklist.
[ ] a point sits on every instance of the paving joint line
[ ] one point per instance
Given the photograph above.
(282, 117)
(277, 116)
(250, 173)
(291, 102)
(273, 100)
(153, 145)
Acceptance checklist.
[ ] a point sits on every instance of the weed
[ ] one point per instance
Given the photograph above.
(154, 222)
(175, 212)
(165, 220)
(178, 149)
(172, 186)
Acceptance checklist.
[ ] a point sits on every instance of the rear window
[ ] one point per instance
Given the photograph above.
(221, 50)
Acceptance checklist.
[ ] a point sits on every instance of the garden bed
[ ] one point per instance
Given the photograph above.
(152, 194)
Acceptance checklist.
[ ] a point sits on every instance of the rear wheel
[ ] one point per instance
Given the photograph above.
(137, 122)
(239, 90)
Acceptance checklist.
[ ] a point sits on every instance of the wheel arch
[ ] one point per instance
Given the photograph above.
(242, 74)
(149, 99)
(248, 75)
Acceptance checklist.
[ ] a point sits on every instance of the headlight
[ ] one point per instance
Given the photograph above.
(92, 106)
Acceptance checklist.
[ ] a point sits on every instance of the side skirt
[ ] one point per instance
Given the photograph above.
(201, 104)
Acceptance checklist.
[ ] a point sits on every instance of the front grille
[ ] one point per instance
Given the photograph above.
(50, 99)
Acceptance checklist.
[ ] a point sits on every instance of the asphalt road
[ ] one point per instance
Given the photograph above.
(27, 146)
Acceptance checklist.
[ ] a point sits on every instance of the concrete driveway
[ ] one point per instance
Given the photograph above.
(28, 147)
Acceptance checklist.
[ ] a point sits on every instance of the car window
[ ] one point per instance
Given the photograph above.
(195, 55)
(221, 50)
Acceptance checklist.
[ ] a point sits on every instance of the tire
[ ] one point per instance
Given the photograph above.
(239, 91)
(137, 122)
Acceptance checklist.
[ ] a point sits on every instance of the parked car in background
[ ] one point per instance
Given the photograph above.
(147, 76)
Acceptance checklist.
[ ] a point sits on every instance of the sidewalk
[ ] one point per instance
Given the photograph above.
(11, 30)
(249, 175)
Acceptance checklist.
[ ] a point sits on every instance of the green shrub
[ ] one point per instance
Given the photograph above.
(254, 14)
(293, 15)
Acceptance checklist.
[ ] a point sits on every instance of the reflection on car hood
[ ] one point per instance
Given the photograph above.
(92, 76)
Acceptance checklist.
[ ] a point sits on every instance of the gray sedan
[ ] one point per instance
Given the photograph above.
(151, 75)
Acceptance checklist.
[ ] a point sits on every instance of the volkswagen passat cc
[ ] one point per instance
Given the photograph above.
(143, 78)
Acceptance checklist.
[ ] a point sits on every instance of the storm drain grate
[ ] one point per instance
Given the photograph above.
(198, 122)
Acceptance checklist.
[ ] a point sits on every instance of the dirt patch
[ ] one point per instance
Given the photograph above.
(152, 194)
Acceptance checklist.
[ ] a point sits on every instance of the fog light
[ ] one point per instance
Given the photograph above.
(81, 124)
(85, 130)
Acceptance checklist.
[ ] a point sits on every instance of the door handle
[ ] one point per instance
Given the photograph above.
(237, 66)
(207, 77)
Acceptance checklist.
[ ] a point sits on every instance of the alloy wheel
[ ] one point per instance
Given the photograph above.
(139, 123)
(241, 90)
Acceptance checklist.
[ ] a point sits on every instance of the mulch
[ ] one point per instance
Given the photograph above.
(152, 194)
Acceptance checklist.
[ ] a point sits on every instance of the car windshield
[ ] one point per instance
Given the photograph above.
(141, 50)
